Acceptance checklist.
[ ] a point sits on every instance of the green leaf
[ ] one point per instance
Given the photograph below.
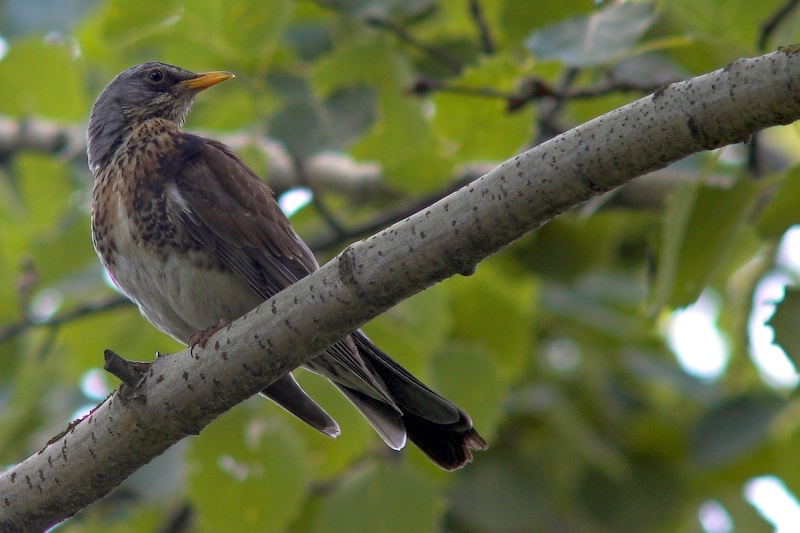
(519, 17)
(498, 494)
(785, 322)
(125, 21)
(630, 502)
(701, 227)
(308, 126)
(734, 429)
(495, 310)
(467, 375)
(572, 245)
(477, 127)
(382, 498)
(251, 474)
(43, 205)
(781, 212)
(401, 138)
(745, 516)
(383, 9)
(252, 28)
(40, 77)
(596, 39)
(414, 330)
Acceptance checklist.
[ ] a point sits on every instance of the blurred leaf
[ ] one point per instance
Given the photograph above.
(253, 28)
(495, 310)
(95, 519)
(382, 9)
(467, 375)
(40, 77)
(498, 494)
(595, 39)
(130, 20)
(721, 30)
(332, 457)
(734, 429)
(362, 60)
(519, 17)
(43, 205)
(781, 212)
(429, 315)
(248, 471)
(701, 227)
(478, 127)
(571, 245)
(631, 503)
(26, 404)
(310, 39)
(307, 127)
(785, 322)
(383, 499)
(401, 137)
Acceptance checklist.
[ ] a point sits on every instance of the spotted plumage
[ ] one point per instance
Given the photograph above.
(191, 234)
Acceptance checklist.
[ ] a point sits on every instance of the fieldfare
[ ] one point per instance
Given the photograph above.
(192, 235)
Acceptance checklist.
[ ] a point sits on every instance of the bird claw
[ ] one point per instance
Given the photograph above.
(201, 337)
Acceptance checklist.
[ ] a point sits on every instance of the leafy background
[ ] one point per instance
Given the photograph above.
(557, 346)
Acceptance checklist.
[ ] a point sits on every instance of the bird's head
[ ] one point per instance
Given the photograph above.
(141, 93)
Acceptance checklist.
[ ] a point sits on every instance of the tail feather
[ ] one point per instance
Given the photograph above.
(409, 393)
(395, 403)
(383, 417)
(449, 448)
(287, 393)
(437, 426)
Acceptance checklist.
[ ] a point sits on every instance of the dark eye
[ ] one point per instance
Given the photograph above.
(155, 76)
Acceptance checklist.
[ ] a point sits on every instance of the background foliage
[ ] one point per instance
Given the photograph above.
(557, 346)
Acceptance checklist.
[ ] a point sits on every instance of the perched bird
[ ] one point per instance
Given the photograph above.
(192, 235)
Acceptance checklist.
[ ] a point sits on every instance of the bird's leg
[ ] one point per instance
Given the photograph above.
(201, 337)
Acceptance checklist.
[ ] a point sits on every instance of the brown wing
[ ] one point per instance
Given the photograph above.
(229, 209)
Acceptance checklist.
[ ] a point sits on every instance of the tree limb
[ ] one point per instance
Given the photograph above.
(182, 393)
(327, 170)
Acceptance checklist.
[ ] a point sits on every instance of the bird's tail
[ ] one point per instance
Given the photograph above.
(394, 402)
(434, 424)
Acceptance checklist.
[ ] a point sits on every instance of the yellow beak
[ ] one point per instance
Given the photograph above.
(206, 80)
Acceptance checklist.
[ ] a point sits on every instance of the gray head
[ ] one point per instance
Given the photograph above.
(141, 93)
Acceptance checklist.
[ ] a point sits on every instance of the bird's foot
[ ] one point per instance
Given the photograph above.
(201, 337)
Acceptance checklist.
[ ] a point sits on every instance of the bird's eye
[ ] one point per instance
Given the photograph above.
(155, 76)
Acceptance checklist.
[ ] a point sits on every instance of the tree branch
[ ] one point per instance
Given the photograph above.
(327, 170)
(26, 323)
(183, 392)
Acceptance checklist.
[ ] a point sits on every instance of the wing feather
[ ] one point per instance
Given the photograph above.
(235, 215)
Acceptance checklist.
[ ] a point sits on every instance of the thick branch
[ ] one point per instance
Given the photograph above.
(182, 393)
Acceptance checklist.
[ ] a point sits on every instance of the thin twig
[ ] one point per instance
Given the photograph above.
(450, 61)
(385, 218)
(754, 165)
(487, 43)
(531, 90)
(772, 23)
(85, 310)
(316, 199)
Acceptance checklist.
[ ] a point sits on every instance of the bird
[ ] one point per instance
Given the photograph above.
(192, 235)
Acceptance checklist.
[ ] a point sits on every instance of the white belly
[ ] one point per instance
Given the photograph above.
(179, 300)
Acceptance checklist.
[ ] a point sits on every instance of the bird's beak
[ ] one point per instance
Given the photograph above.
(205, 80)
